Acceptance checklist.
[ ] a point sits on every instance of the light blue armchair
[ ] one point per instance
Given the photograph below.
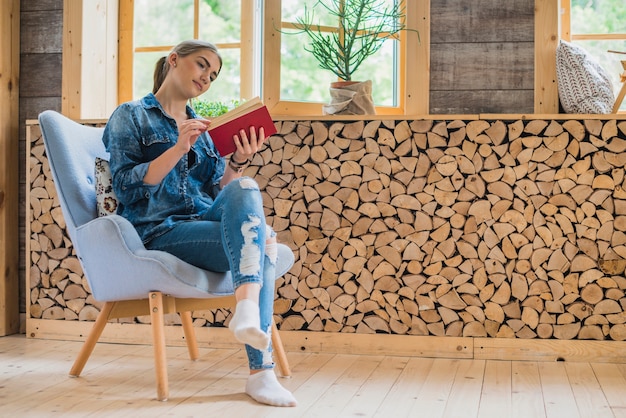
(121, 272)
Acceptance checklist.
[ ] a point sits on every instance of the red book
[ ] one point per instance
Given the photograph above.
(251, 113)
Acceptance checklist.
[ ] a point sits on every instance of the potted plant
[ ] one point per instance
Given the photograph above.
(362, 28)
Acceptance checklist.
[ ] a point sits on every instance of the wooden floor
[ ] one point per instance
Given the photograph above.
(118, 381)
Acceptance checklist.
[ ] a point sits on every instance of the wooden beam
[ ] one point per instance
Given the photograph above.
(247, 51)
(302, 341)
(418, 79)
(565, 20)
(516, 349)
(9, 177)
(546, 41)
(513, 349)
(271, 54)
(72, 59)
(125, 63)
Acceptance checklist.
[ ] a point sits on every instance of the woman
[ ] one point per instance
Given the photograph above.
(184, 198)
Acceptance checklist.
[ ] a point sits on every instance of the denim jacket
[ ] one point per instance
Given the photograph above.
(139, 131)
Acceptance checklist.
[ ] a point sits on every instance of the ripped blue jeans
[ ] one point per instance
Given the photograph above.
(232, 236)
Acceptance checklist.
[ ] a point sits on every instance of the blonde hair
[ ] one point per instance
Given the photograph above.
(182, 49)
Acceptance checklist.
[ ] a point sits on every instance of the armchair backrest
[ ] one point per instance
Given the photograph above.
(72, 149)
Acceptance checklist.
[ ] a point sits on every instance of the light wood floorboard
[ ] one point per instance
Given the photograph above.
(496, 393)
(527, 398)
(118, 381)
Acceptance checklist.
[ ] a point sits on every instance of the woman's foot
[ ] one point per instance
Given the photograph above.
(264, 388)
(246, 325)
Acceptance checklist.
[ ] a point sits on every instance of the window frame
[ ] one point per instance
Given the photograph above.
(413, 85)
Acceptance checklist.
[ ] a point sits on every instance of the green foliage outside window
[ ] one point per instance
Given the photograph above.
(602, 17)
(211, 109)
(598, 16)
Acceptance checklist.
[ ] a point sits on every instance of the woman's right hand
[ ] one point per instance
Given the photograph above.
(189, 131)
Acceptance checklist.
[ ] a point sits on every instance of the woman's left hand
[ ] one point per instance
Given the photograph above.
(248, 144)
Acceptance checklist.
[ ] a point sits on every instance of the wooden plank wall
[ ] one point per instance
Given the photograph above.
(482, 56)
(40, 85)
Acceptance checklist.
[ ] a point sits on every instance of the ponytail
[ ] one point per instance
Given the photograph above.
(160, 71)
(182, 49)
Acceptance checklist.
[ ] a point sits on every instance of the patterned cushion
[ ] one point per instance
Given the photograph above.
(584, 86)
(106, 200)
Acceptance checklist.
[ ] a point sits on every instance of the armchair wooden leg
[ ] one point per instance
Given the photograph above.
(158, 341)
(190, 335)
(92, 339)
(279, 351)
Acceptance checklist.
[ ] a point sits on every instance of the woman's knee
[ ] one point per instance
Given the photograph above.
(242, 185)
(243, 194)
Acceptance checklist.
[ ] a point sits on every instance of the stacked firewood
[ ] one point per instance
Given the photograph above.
(421, 227)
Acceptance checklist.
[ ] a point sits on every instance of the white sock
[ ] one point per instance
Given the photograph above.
(264, 388)
(246, 325)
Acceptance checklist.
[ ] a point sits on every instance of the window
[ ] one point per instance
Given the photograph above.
(151, 28)
(303, 80)
(299, 87)
(598, 26)
(246, 33)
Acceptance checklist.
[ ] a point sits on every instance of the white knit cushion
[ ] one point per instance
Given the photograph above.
(584, 86)
(106, 200)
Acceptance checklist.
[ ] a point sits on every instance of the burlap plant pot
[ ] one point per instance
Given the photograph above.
(350, 99)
